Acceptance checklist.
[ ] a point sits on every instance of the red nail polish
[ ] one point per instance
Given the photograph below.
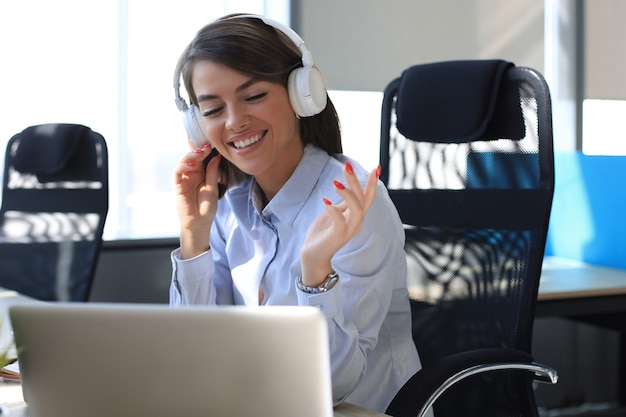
(198, 151)
(327, 201)
(191, 164)
(349, 168)
(378, 171)
(339, 185)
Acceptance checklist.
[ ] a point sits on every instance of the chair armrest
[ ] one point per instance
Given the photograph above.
(429, 383)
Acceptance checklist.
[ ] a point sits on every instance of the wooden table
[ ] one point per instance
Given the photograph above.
(563, 278)
(572, 288)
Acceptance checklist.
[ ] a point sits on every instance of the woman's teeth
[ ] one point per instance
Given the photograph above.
(243, 143)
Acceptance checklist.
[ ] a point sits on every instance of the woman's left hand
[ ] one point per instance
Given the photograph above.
(336, 225)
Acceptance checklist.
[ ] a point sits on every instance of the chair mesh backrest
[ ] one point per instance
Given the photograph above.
(476, 216)
(54, 206)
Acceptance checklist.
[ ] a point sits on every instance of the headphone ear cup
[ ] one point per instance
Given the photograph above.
(307, 91)
(193, 125)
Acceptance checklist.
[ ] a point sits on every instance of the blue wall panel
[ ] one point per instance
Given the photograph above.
(588, 220)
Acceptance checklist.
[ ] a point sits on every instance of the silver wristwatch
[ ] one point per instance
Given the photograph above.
(329, 282)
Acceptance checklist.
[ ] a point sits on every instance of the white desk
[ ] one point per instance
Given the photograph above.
(18, 409)
(7, 299)
(11, 396)
(567, 289)
(11, 392)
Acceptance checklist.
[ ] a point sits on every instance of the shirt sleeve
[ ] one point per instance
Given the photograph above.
(192, 280)
(371, 267)
(203, 280)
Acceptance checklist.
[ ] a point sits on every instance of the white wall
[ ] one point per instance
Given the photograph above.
(363, 44)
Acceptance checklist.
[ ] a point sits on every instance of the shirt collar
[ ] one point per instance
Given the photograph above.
(245, 201)
(291, 198)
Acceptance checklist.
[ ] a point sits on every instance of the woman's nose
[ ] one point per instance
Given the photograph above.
(237, 118)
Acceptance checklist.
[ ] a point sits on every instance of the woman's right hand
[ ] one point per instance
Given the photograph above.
(196, 191)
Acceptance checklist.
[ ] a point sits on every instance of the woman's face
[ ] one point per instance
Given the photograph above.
(249, 121)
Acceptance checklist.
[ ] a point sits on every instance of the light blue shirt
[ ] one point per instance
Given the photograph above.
(252, 248)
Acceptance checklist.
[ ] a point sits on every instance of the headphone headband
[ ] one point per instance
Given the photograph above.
(307, 58)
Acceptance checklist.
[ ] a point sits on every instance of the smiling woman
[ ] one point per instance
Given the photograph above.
(299, 223)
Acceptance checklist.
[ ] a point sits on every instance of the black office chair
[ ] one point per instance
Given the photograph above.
(54, 206)
(466, 153)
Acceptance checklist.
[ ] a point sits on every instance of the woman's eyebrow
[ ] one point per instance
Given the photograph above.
(247, 84)
(205, 97)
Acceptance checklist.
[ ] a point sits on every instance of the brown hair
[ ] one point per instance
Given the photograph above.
(251, 47)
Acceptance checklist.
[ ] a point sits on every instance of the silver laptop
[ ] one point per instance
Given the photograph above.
(109, 360)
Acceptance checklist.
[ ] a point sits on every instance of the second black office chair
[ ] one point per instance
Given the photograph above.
(54, 206)
(466, 153)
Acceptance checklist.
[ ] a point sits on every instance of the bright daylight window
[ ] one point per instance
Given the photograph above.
(602, 77)
(604, 127)
(109, 65)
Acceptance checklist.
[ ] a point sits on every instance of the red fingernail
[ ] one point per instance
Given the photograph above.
(327, 201)
(198, 150)
(378, 171)
(339, 185)
(191, 164)
(206, 145)
(349, 168)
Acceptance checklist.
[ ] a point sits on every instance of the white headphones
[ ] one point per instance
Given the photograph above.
(305, 85)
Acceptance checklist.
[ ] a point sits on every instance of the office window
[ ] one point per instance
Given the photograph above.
(604, 79)
(604, 127)
(109, 65)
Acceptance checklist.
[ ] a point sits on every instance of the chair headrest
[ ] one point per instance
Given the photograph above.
(46, 149)
(456, 101)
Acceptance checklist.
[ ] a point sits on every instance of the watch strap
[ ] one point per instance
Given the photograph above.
(328, 283)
